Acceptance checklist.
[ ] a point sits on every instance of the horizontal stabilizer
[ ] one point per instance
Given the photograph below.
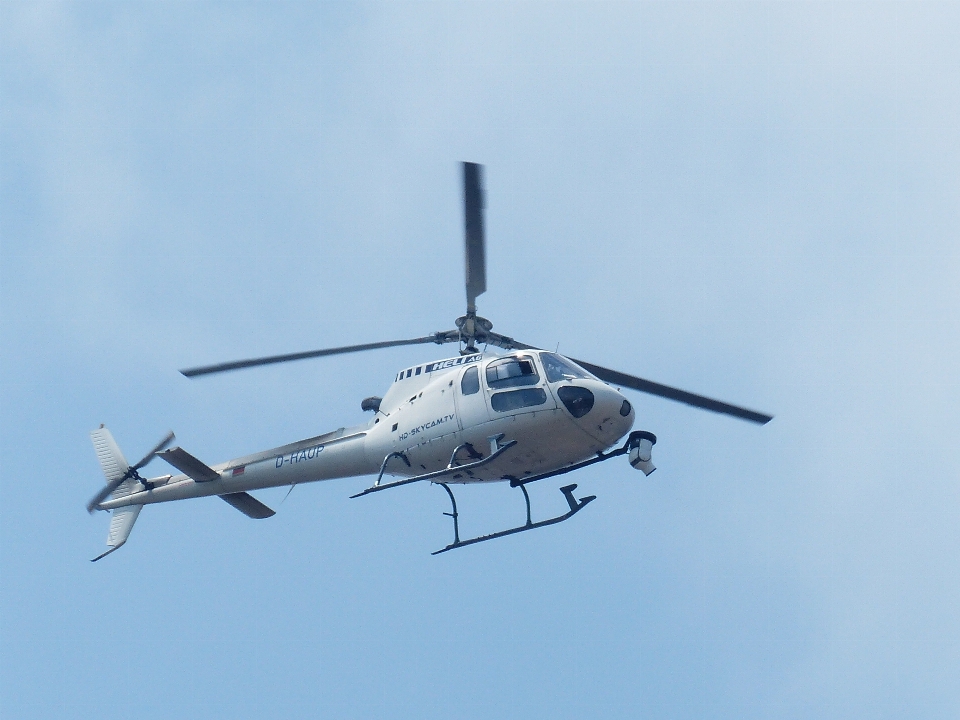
(248, 505)
(189, 465)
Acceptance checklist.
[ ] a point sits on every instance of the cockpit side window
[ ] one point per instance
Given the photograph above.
(558, 368)
(470, 383)
(512, 372)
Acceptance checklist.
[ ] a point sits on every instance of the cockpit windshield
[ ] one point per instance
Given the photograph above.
(558, 368)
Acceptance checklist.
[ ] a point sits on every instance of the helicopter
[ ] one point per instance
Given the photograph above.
(517, 416)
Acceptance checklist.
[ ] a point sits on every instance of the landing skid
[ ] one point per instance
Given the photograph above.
(496, 449)
(575, 507)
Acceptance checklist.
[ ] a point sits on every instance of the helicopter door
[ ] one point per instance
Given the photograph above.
(514, 387)
(471, 406)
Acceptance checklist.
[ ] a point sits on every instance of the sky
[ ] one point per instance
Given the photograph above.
(758, 202)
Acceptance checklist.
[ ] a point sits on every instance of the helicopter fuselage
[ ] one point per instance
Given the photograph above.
(556, 412)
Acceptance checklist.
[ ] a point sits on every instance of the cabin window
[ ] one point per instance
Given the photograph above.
(470, 383)
(516, 399)
(512, 372)
(558, 368)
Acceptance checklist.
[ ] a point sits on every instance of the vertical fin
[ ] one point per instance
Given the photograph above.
(121, 523)
(115, 468)
(112, 462)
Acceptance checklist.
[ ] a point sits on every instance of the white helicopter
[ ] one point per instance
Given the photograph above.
(480, 417)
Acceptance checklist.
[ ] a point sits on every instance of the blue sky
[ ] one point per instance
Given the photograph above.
(757, 202)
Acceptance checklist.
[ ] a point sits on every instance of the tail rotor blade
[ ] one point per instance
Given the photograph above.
(104, 493)
(169, 438)
(474, 242)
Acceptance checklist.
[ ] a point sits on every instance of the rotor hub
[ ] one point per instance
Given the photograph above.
(473, 329)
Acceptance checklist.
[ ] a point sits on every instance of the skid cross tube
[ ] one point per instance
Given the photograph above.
(451, 468)
(567, 490)
(383, 466)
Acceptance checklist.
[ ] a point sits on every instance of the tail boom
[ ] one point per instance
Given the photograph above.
(302, 462)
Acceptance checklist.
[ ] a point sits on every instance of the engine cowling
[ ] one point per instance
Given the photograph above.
(641, 451)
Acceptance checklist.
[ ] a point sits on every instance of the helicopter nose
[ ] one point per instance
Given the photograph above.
(599, 409)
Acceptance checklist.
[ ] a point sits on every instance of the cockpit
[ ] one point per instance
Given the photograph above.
(515, 382)
(558, 368)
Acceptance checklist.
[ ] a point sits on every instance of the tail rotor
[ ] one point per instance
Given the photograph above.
(115, 467)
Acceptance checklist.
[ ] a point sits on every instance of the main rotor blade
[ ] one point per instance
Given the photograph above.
(474, 242)
(639, 384)
(671, 393)
(439, 338)
(505, 342)
(169, 438)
